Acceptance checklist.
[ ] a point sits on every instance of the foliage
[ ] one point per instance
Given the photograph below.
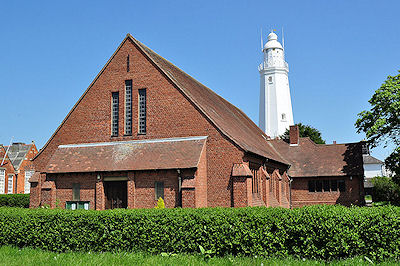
(385, 190)
(316, 232)
(381, 124)
(27, 256)
(305, 131)
(14, 200)
(160, 204)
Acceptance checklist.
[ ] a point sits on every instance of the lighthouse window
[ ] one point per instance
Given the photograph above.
(283, 116)
(270, 79)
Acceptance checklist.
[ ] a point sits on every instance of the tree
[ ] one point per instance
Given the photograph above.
(381, 124)
(385, 190)
(305, 131)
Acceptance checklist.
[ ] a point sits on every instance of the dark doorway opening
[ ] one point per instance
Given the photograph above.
(116, 194)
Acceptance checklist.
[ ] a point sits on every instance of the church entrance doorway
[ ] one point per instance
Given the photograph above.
(116, 194)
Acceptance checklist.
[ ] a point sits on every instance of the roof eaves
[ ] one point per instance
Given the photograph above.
(190, 97)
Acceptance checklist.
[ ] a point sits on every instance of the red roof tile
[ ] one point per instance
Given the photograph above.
(241, 169)
(310, 159)
(230, 120)
(226, 117)
(127, 155)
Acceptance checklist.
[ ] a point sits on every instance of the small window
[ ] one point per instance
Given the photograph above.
(77, 205)
(270, 79)
(127, 63)
(10, 184)
(114, 113)
(342, 185)
(28, 175)
(284, 117)
(2, 181)
(311, 186)
(142, 111)
(159, 190)
(128, 107)
(326, 185)
(76, 192)
(334, 185)
(318, 186)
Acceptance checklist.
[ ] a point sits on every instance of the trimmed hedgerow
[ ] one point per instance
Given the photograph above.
(14, 200)
(317, 232)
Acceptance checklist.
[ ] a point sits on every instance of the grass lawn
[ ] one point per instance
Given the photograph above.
(28, 256)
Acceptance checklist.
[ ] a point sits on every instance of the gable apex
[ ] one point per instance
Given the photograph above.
(225, 117)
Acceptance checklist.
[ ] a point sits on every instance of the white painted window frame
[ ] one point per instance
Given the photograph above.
(10, 189)
(2, 181)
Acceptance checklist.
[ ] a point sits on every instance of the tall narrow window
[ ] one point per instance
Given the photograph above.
(76, 191)
(114, 113)
(142, 111)
(159, 189)
(28, 175)
(10, 185)
(128, 107)
(2, 181)
(127, 63)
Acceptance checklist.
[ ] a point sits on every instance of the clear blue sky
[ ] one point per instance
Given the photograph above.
(338, 52)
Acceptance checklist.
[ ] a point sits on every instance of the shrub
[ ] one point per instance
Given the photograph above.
(385, 190)
(14, 200)
(316, 232)
(160, 204)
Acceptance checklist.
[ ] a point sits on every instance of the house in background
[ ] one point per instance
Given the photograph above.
(144, 129)
(323, 173)
(20, 156)
(7, 173)
(372, 167)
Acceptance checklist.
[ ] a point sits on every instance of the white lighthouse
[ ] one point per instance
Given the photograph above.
(275, 105)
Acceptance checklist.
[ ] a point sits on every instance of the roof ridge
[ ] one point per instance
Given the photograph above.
(150, 54)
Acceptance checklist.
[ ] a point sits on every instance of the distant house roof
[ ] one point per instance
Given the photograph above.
(17, 153)
(5, 157)
(230, 120)
(368, 159)
(310, 159)
(172, 153)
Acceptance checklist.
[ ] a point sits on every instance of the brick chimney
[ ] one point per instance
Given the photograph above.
(294, 135)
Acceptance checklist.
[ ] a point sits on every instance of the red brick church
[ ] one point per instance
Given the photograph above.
(144, 129)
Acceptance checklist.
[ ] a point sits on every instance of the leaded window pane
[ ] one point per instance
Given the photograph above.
(128, 107)
(115, 114)
(142, 111)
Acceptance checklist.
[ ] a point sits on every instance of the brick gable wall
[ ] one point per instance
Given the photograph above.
(169, 114)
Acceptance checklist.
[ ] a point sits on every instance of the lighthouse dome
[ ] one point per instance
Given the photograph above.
(272, 42)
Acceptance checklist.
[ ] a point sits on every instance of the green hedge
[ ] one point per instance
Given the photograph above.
(322, 232)
(14, 200)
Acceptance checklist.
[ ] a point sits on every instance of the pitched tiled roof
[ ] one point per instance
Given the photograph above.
(173, 153)
(4, 155)
(310, 159)
(17, 153)
(241, 169)
(368, 159)
(229, 119)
